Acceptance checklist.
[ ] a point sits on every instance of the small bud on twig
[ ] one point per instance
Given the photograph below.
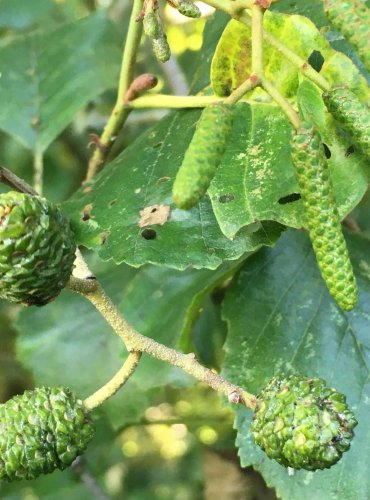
(141, 84)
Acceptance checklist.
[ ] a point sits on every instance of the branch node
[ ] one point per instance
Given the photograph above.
(234, 398)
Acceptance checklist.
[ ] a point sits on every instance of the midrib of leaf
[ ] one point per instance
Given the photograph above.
(286, 291)
(246, 197)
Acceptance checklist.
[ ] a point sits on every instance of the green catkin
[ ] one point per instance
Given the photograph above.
(352, 19)
(153, 29)
(203, 155)
(187, 8)
(151, 25)
(161, 49)
(322, 218)
(352, 114)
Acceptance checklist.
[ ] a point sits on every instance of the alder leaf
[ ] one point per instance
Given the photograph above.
(47, 77)
(281, 319)
(142, 176)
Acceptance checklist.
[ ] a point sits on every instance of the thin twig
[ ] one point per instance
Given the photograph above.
(12, 180)
(257, 40)
(244, 16)
(251, 83)
(120, 111)
(136, 342)
(80, 468)
(172, 101)
(282, 102)
(116, 382)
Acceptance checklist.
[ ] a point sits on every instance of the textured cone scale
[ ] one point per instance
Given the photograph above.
(321, 214)
(203, 155)
(302, 423)
(37, 249)
(40, 431)
(351, 113)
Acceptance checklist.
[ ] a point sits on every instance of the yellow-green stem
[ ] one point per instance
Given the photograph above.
(257, 40)
(120, 112)
(245, 17)
(38, 170)
(172, 101)
(137, 342)
(116, 382)
(252, 82)
(282, 102)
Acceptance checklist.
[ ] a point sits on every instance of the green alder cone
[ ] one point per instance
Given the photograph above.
(351, 113)
(37, 249)
(321, 214)
(352, 19)
(203, 155)
(40, 431)
(302, 423)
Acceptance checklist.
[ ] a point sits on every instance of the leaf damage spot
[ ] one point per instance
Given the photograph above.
(103, 237)
(149, 234)
(86, 212)
(154, 214)
(316, 60)
(87, 189)
(290, 198)
(327, 151)
(226, 198)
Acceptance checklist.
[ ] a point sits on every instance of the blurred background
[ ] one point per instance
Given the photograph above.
(182, 446)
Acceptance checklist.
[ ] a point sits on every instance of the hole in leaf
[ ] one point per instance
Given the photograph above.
(327, 151)
(86, 212)
(290, 198)
(316, 60)
(103, 237)
(226, 198)
(148, 234)
(349, 151)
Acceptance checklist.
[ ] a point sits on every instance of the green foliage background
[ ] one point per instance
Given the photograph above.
(244, 291)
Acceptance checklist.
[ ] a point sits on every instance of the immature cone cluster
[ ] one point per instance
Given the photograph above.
(321, 214)
(37, 249)
(302, 423)
(40, 431)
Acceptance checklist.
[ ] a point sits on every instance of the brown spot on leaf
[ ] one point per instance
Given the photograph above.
(86, 212)
(103, 237)
(149, 234)
(154, 214)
